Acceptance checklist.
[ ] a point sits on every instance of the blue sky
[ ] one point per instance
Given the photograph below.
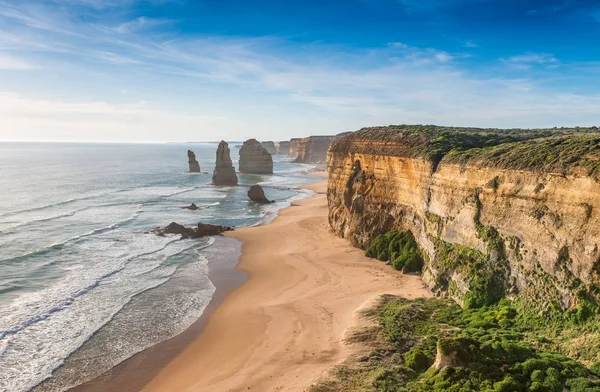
(182, 70)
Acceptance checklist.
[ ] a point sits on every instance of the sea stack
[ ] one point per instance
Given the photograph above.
(257, 194)
(194, 165)
(224, 173)
(255, 159)
(270, 147)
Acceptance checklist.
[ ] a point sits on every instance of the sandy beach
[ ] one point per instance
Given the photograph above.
(284, 327)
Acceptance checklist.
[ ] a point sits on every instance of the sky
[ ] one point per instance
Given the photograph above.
(200, 70)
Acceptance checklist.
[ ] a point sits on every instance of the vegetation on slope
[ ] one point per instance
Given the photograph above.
(555, 149)
(434, 345)
(398, 248)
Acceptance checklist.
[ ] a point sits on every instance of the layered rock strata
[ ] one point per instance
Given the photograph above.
(224, 173)
(255, 159)
(192, 162)
(293, 150)
(506, 213)
(313, 149)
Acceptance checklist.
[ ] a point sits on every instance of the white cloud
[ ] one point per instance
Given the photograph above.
(9, 62)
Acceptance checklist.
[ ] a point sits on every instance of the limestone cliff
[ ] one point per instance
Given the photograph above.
(270, 147)
(293, 151)
(192, 162)
(510, 213)
(313, 149)
(255, 159)
(283, 148)
(224, 173)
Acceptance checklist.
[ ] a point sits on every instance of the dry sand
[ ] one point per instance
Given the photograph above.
(284, 327)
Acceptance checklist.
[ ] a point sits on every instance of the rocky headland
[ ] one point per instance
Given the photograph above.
(495, 213)
(313, 149)
(192, 162)
(283, 148)
(293, 149)
(255, 159)
(224, 173)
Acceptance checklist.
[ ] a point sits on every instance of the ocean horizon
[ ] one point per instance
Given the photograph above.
(80, 276)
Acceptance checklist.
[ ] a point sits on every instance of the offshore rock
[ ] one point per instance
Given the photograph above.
(270, 147)
(202, 230)
(255, 159)
(224, 173)
(193, 163)
(283, 148)
(257, 194)
(192, 207)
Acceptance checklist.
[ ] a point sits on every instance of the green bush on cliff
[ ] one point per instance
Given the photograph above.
(399, 248)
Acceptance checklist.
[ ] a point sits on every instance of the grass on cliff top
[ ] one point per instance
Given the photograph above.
(490, 349)
(553, 149)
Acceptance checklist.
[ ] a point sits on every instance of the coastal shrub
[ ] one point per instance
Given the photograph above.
(418, 360)
(399, 248)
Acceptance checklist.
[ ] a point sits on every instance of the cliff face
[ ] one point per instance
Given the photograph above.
(255, 159)
(283, 148)
(313, 149)
(293, 151)
(524, 225)
(224, 173)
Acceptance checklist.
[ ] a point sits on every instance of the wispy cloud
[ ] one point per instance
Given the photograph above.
(9, 62)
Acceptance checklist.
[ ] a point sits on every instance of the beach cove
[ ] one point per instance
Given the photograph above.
(284, 327)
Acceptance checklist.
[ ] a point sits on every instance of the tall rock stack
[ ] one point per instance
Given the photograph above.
(224, 173)
(255, 159)
(293, 150)
(270, 147)
(193, 163)
(283, 148)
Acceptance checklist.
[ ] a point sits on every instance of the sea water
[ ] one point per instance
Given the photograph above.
(80, 275)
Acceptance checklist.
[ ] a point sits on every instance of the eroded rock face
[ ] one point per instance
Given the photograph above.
(257, 194)
(202, 230)
(283, 148)
(193, 163)
(313, 149)
(293, 150)
(270, 147)
(255, 159)
(539, 230)
(224, 173)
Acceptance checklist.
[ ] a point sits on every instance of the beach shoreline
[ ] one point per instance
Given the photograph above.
(284, 327)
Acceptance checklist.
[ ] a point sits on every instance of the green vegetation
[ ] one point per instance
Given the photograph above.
(556, 149)
(399, 248)
(494, 348)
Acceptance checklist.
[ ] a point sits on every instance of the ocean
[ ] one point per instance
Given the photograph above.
(79, 274)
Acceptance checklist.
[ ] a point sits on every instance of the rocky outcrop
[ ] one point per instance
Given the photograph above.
(283, 148)
(224, 173)
(202, 230)
(257, 194)
(313, 149)
(293, 151)
(193, 163)
(255, 159)
(270, 147)
(518, 217)
(192, 207)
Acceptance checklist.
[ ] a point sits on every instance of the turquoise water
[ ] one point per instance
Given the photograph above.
(74, 252)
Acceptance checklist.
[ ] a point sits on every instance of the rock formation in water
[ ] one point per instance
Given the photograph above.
(255, 159)
(202, 230)
(313, 149)
(293, 150)
(270, 147)
(283, 148)
(193, 163)
(192, 207)
(257, 194)
(224, 173)
(495, 212)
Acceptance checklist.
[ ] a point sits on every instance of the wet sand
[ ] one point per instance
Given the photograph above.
(284, 327)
